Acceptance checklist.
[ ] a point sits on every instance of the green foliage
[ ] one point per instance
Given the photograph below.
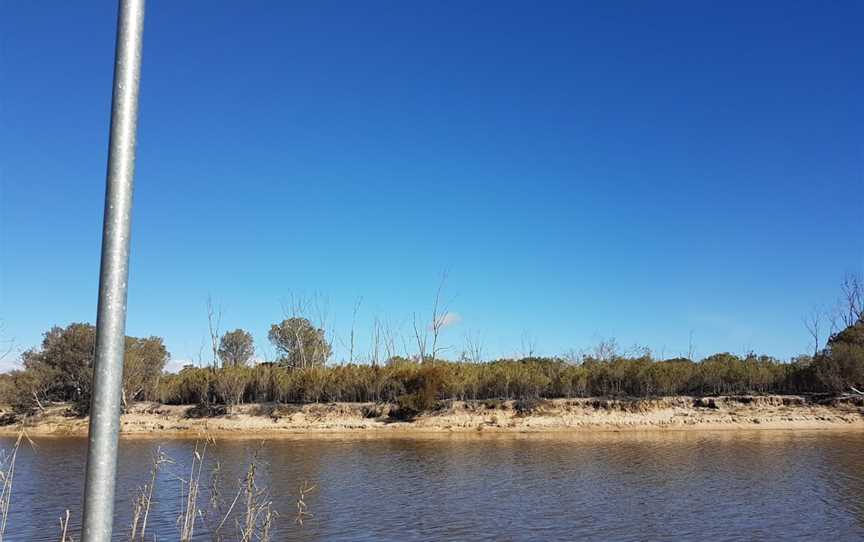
(422, 390)
(66, 358)
(841, 365)
(142, 367)
(60, 371)
(236, 348)
(190, 386)
(230, 383)
(418, 387)
(302, 344)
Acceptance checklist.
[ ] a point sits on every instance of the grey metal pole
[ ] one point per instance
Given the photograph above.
(113, 277)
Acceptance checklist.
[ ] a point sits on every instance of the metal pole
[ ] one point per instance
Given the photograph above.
(113, 276)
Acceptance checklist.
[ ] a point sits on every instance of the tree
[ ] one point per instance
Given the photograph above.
(29, 389)
(62, 368)
(6, 345)
(301, 343)
(852, 300)
(143, 364)
(214, 320)
(841, 366)
(236, 348)
(813, 324)
(850, 307)
(68, 353)
(441, 318)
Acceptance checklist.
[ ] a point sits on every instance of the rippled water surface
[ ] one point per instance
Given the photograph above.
(767, 485)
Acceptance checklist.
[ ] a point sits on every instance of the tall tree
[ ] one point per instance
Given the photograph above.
(62, 368)
(236, 348)
(841, 366)
(68, 352)
(301, 343)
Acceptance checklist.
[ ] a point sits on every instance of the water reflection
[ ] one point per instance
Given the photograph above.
(767, 485)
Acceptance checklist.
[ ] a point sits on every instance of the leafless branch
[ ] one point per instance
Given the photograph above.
(214, 322)
(473, 348)
(813, 323)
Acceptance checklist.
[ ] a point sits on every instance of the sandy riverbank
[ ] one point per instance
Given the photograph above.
(669, 413)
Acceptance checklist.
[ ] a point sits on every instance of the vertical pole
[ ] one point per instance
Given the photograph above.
(113, 276)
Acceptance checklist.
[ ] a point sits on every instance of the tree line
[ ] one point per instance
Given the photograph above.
(60, 370)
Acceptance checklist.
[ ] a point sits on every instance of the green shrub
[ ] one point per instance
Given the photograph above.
(423, 389)
(414, 388)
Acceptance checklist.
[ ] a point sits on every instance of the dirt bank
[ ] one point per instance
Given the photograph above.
(668, 413)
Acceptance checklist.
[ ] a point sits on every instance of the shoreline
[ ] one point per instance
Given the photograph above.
(554, 416)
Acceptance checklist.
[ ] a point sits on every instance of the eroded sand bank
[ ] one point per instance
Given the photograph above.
(592, 414)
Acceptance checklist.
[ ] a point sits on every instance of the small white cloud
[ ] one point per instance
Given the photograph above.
(174, 365)
(7, 365)
(449, 319)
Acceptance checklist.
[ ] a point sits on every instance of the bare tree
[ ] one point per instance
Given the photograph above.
(852, 299)
(813, 323)
(529, 345)
(214, 321)
(321, 313)
(573, 356)
(389, 337)
(201, 352)
(473, 348)
(638, 351)
(375, 343)
(849, 308)
(420, 336)
(691, 349)
(440, 318)
(353, 325)
(6, 345)
(606, 350)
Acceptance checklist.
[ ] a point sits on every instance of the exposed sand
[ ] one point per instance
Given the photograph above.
(559, 415)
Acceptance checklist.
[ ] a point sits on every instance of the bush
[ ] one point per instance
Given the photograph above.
(422, 392)
(56, 372)
(229, 384)
(840, 366)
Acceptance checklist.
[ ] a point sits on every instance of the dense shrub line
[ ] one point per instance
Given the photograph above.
(417, 386)
(59, 371)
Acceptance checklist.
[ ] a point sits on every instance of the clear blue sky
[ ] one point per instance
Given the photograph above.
(582, 170)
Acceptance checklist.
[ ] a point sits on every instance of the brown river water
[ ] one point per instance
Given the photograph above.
(689, 485)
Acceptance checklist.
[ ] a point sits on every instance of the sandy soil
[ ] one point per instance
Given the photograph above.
(670, 413)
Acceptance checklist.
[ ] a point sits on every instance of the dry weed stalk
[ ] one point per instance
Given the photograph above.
(144, 500)
(7, 473)
(255, 523)
(302, 507)
(191, 488)
(259, 514)
(64, 527)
